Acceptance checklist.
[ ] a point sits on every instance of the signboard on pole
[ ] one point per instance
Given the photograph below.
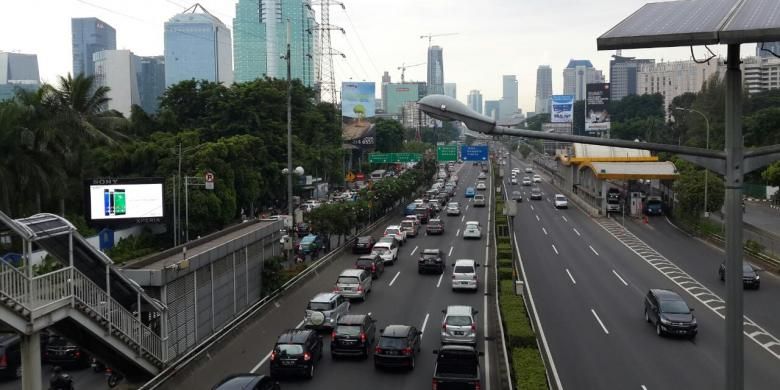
(358, 100)
(393, 158)
(562, 110)
(474, 153)
(446, 153)
(116, 200)
(208, 178)
(596, 106)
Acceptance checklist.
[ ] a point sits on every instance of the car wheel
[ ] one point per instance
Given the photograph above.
(647, 317)
(722, 277)
(310, 375)
(692, 336)
(411, 364)
(658, 330)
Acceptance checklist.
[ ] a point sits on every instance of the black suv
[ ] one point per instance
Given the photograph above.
(431, 260)
(62, 352)
(397, 347)
(295, 352)
(354, 335)
(10, 356)
(457, 368)
(247, 382)
(372, 263)
(750, 278)
(363, 244)
(669, 313)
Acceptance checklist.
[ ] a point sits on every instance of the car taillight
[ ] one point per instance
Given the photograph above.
(477, 386)
(407, 351)
(360, 288)
(306, 356)
(434, 385)
(333, 336)
(373, 267)
(77, 354)
(377, 350)
(444, 327)
(453, 277)
(474, 277)
(473, 327)
(273, 355)
(363, 337)
(3, 361)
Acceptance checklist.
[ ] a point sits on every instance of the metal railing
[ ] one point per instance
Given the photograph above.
(49, 288)
(13, 284)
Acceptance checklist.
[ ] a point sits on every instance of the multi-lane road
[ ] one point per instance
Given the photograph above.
(588, 279)
(399, 296)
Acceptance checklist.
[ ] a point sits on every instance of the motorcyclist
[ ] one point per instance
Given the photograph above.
(60, 380)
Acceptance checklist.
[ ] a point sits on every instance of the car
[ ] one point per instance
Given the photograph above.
(513, 180)
(528, 170)
(431, 260)
(388, 251)
(481, 176)
(481, 186)
(410, 208)
(479, 200)
(423, 213)
(526, 181)
(354, 283)
(372, 263)
(536, 193)
(669, 313)
(353, 336)
(443, 197)
(653, 206)
(453, 208)
(61, 351)
(363, 244)
(537, 179)
(456, 368)
(411, 227)
(750, 277)
(396, 232)
(473, 230)
(247, 382)
(435, 226)
(397, 347)
(10, 356)
(517, 196)
(310, 245)
(470, 192)
(454, 179)
(302, 229)
(324, 310)
(515, 171)
(561, 202)
(295, 353)
(459, 325)
(464, 274)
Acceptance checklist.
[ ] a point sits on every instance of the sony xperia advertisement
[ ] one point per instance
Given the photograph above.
(135, 200)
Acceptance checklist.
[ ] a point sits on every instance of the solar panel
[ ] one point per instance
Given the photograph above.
(753, 21)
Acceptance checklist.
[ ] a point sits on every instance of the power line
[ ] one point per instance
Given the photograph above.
(357, 58)
(357, 34)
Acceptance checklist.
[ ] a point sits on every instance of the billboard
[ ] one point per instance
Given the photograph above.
(596, 106)
(358, 100)
(138, 200)
(562, 109)
(474, 153)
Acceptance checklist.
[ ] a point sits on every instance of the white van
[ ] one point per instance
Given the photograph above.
(464, 275)
(378, 174)
(388, 251)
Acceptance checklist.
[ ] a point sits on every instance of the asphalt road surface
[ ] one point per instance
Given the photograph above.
(399, 296)
(589, 287)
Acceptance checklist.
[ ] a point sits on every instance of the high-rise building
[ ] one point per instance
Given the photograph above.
(493, 108)
(151, 81)
(385, 80)
(543, 89)
(89, 36)
(622, 76)
(760, 74)
(451, 90)
(116, 69)
(260, 40)
(413, 118)
(672, 79)
(397, 94)
(197, 46)
(474, 100)
(509, 101)
(769, 48)
(577, 75)
(18, 70)
(435, 70)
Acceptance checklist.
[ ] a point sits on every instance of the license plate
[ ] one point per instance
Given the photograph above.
(347, 288)
(392, 352)
(458, 333)
(464, 283)
(348, 342)
(288, 362)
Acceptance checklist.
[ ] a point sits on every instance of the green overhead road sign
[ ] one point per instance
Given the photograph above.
(392, 158)
(446, 153)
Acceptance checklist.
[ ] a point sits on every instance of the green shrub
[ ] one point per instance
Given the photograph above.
(518, 330)
(505, 262)
(505, 273)
(504, 242)
(529, 369)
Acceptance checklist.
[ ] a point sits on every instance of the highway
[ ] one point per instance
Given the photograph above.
(588, 288)
(399, 296)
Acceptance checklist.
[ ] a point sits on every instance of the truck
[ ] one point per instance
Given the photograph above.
(614, 201)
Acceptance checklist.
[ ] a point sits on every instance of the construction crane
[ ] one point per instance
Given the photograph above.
(403, 68)
(430, 36)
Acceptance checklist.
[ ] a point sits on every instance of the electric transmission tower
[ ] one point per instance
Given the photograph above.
(325, 78)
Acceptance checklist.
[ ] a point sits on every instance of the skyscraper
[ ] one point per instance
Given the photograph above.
(261, 42)
(116, 69)
(435, 70)
(672, 79)
(774, 47)
(509, 98)
(577, 75)
(18, 70)
(543, 89)
(622, 76)
(451, 90)
(474, 100)
(151, 81)
(89, 35)
(197, 46)
(385, 80)
(493, 108)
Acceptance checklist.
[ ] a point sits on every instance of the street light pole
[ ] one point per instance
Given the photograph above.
(707, 146)
(289, 135)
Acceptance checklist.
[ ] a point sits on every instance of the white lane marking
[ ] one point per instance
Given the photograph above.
(532, 207)
(599, 320)
(268, 356)
(537, 217)
(394, 278)
(578, 233)
(644, 387)
(564, 218)
(571, 277)
(440, 278)
(413, 250)
(450, 254)
(555, 249)
(425, 322)
(621, 279)
(462, 218)
(545, 231)
(594, 251)
(457, 233)
(467, 207)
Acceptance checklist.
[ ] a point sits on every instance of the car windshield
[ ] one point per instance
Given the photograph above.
(457, 366)
(653, 202)
(747, 268)
(347, 280)
(319, 306)
(559, 197)
(380, 250)
(364, 240)
(408, 224)
(393, 342)
(459, 320)
(348, 330)
(364, 262)
(289, 349)
(472, 226)
(674, 307)
(391, 231)
(453, 205)
(464, 269)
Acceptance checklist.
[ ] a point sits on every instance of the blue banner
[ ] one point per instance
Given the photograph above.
(562, 110)
(474, 153)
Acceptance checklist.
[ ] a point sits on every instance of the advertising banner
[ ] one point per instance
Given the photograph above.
(358, 99)
(562, 109)
(134, 200)
(596, 106)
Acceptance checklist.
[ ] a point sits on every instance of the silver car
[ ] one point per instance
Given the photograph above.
(459, 326)
(464, 275)
(453, 208)
(324, 310)
(354, 283)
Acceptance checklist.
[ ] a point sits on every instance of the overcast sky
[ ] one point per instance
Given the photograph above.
(495, 37)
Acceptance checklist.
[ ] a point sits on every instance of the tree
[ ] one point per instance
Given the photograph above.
(772, 174)
(389, 135)
(762, 127)
(689, 188)
(536, 121)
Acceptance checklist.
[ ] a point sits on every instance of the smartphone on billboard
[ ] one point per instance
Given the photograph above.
(111, 203)
(106, 203)
(120, 207)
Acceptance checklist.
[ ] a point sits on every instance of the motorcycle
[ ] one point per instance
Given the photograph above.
(113, 378)
(61, 381)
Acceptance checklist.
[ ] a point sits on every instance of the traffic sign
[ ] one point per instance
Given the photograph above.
(446, 153)
(474, 153)
(350, 177)
(391, 158)
(208, 178)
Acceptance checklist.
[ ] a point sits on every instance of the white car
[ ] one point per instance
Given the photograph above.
(472, 230)
(528, 170)
(413, 218)
(464, 275)
(526, 181)
(537, 179)
(396, 232)
(481, 186)
(515, 171)
(388, 251)
(561, 202)
(419, 202)
(514, 180)
(453, 208)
